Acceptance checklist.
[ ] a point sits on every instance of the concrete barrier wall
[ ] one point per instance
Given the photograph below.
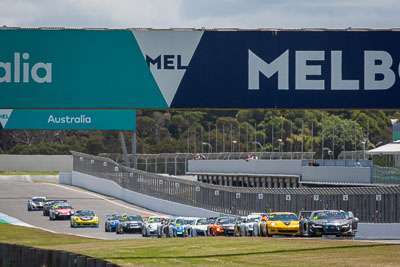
(110, 188)
(36, 162)
(30, 178)
(378, 231)
(242, 166)
(337, 174)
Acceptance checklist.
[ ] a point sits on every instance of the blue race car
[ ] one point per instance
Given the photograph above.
(180, 226)
(112, 221)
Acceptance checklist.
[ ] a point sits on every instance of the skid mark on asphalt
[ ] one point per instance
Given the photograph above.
(106, 199)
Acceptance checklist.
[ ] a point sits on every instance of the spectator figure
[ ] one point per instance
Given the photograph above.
(248, 158)
(357, 164)
(310, 163)
(370, 157)
(254, 156)
(316, 163)
(202, 157)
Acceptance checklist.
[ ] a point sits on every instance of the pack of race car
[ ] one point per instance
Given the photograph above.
(305, 224)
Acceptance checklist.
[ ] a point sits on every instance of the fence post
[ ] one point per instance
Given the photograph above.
(48, 256)
(12, 254)
(39, 257)
(64, 259)
(25, 256)
(81, 261)
(56, 258)
(90, 262)
(100, 263)
(32, 257)
(72, 260)
(6, 256)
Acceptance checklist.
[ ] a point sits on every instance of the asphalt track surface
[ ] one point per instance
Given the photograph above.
(14, 197)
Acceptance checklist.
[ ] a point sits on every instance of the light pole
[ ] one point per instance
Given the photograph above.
(330, 153)
(255, 143)
(363, 151)
(209, 146)
(233, 146)
(280, 143)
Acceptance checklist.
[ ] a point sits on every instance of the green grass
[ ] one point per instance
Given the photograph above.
(29, 173)
(213, 250)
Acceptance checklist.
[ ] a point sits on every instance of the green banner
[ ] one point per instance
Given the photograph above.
(75, 69)
(59, 119)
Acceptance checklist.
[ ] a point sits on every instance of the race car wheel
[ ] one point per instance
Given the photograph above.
(143, 232)
(269, 235)
(72, 226)
(106, 228)
(263, 230)
(309, 234)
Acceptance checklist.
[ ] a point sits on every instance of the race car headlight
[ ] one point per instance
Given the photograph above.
(124, 224)
(274, 224)
(96, 218)
(316, 226)
(345, 225)
(112, 223)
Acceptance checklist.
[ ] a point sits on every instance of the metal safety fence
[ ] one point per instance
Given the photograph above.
(177, 163)
(370, 204)
(386, 175)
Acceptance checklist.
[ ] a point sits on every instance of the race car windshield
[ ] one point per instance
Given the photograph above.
(202, 222)
(180, 221)
(253, 219)
(37, 200)
(226, 221)
(283, 217)
(191, 222)
(64, 207)
(86, 213)
(133, 218)
(116, 217)
(327, 215)
(155, 220)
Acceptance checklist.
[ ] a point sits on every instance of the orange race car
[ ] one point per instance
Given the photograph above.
(224, 226)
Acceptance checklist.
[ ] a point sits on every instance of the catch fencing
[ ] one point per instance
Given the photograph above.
(177, 163)
(369, 204)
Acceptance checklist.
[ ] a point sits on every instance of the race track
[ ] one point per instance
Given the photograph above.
(14, 197)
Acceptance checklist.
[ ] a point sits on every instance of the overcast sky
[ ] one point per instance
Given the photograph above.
(201, 13)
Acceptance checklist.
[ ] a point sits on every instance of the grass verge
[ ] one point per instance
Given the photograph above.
(212, 251)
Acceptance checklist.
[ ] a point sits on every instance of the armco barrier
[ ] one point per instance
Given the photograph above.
(12, 255)
(370, 204)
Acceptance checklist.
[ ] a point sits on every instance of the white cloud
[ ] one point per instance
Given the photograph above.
(195, 13)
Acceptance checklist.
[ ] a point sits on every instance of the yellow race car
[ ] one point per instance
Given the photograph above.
(84, 218)
(283, 223)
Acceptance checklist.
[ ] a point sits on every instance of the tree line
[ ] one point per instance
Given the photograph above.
(182, 131)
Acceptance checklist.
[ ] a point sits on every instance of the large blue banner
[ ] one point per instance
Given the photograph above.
(117, 69)
(293, 69)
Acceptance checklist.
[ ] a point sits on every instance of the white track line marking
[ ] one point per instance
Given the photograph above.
(103, 198)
